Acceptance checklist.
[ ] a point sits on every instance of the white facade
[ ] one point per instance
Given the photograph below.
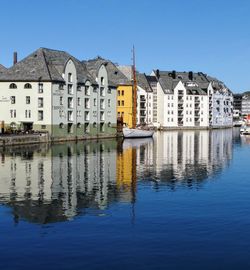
(24, 103)
(181, 109)
(144, 106)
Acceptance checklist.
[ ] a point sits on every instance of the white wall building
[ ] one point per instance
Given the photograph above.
(187, 100)
(52, 91)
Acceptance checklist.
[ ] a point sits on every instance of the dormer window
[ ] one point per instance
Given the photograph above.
(13, 86)
(102, 80)
(70, 77)
(27, 86)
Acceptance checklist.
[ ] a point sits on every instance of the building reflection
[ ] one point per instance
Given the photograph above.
(46, 184)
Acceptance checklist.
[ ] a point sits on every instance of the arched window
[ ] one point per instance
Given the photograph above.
(94, 125)
(13, 86)
(109, 124)
(27, 86)
(79, 125)
(61, 125)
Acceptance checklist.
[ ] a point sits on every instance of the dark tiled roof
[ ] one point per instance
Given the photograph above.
(44, 65)
(143, 82)
(195, 83)
(2, 68)
(115, 76)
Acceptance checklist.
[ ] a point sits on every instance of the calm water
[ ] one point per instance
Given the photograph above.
(179, 201)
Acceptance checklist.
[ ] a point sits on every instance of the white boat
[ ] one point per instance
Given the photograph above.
(137, 133)
(245, 130)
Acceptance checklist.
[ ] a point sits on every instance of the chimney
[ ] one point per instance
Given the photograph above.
(174, 74)
(190, 75)
(158, 73)
(14, 58)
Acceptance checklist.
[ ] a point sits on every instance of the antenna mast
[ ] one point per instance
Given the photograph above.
(134, 92)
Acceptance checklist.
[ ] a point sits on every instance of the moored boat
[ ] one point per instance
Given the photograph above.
(245, 130)
(137, 133)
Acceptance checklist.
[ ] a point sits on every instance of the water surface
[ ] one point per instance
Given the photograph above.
(178, 201)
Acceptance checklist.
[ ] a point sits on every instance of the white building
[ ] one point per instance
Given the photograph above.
(246, 104)
(188, 100)
(52, 91)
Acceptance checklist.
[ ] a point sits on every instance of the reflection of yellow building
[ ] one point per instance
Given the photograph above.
(126, 169)
(125, 103)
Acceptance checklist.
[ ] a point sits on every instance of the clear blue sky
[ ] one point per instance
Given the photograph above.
(212, 36)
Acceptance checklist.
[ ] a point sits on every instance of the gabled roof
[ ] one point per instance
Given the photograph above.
(44, 65)
(115, 76)
(195, 83)
(2, 68)
(143, 82)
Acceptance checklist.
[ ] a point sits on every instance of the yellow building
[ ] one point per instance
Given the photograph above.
(125, 103)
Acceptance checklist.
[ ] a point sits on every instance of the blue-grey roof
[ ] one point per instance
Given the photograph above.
(115, 76)
(195, 82)
(2, 68)
(44, 65)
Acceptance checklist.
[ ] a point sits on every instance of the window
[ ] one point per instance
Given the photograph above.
(61, 100)
(40, 102)
(13, 113)
(43, 126)
(109, 91)
(87, 103)
(70, 89)
(122, 92)
(70, 116)
(27, 99)
(102, 116)
(118, 102)
(40, 115)
(78, 101)
(102, 104)
(12, 99)
(86, 127)
(69, 77)
(79, 114)
(27, 113)
(86, 116)
(61, 125)
(122, 102)
(87, 90)
(79, 125)
(102, 81)
(79, 88)
(119, 93)
(94, 101)
(40, 88)
(60, 86)
(27, 86)
(109, 124)
(109, 102)
(94, 125)
(102, 92)
(13, 86)
(70, 103)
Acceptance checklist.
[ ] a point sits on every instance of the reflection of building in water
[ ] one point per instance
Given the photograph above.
(188, 155)
(47, 185)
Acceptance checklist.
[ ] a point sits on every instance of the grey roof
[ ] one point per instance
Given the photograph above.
(198, 84)
(218, 85)
(44, 65)
(143, 82)
(115, 76)
(2, 68)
